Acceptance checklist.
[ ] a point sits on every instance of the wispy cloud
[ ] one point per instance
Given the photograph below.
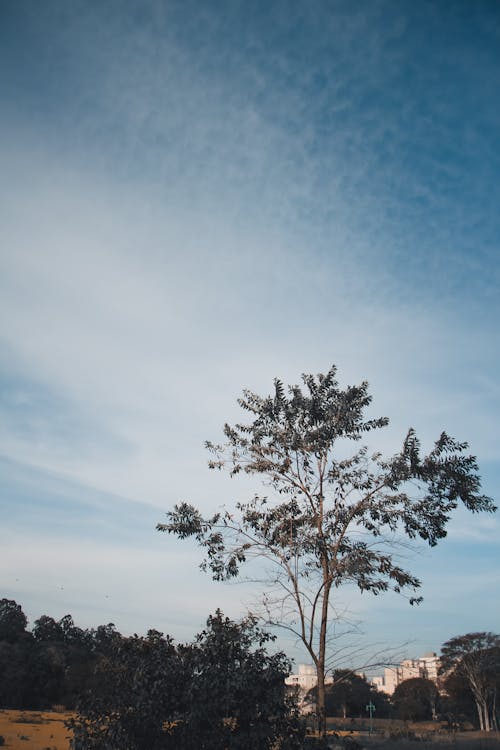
(196, 200)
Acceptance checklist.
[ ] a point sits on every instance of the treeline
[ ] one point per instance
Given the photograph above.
(467, 689)
(350, 694)
(148, 693)
(54, 663)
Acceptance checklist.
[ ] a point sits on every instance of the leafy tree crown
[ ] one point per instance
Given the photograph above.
(326, 508)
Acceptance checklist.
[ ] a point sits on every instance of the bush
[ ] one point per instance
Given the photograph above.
(224, 690)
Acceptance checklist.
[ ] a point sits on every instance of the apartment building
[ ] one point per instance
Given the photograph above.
(303, 682)
(426, 666)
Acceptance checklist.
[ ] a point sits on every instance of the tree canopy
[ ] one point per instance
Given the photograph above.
(53, 663)
(329, 518)
(416, 699)
(348, 695)
(475, 658)
(12, 621)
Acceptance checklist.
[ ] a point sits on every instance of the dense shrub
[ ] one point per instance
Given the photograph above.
(224, 690)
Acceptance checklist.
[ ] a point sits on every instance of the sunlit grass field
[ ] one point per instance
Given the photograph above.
(34, 730)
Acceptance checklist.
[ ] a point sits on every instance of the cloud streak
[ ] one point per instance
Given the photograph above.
(196, 200)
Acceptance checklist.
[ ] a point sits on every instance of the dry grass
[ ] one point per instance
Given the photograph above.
(457, 741)
(45, 730)
(394, 734)
(34, 730)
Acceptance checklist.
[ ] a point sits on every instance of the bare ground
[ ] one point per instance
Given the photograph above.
(34, 730)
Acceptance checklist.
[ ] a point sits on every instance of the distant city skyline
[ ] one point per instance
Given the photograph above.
(196, 198)
(304, 678)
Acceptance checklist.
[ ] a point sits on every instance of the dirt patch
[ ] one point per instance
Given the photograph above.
(34, 730)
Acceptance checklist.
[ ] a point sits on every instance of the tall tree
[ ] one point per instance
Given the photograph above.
(332, 518)
(475, 657)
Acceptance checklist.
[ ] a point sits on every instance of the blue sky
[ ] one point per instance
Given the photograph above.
(196, 197)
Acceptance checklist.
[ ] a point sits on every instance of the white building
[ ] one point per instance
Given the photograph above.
(426, 666)
(304, 681)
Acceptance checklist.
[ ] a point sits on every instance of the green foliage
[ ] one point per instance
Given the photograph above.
(150, 694)
(332, 519)
(139, 685)
(52, 664)
(291, 442)
(416, 699)
(236, 694)
(46, 629)
(457, 703)
(14, 669)
(349, 694)
(12, 621)
(222, 691)
(474, 659)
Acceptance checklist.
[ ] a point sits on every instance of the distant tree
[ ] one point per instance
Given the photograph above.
(55, 663)
(15, 675)
(16, 651)
(66, 659)
(332, 519)
(49, 660)
(48, 666)
(382, 703)
(138, 686)
(47, 629)
(13, 621)
(105, 638)
(416, 699)
(475, 658)
(349, 694)
(31, 675)
(457, 703)
(72, 634)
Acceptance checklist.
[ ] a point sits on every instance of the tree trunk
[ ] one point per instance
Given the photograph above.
(484, 719)
(321, 707)
(487, 726)
(320, 664)
(479, 714)
(320, 668)
(494, 720)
